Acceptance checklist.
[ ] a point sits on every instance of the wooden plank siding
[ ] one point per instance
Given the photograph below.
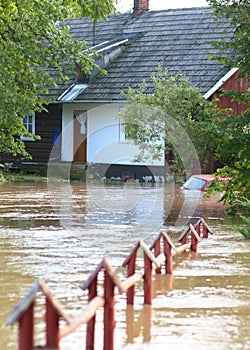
(237, 84)
(234, 83)
(46, 124)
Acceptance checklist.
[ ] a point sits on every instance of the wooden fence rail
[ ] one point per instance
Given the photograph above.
(160, 253)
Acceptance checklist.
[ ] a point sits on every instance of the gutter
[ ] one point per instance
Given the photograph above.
(92, 101)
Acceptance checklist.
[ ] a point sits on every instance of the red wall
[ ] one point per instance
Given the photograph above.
(237, 84)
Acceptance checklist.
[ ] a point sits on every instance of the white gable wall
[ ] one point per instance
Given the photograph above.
(67, 133)
(104, 144)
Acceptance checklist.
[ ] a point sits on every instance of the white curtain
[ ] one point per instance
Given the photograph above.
(81, 117)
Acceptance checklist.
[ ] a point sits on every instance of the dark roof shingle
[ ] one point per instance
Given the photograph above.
(176, 39)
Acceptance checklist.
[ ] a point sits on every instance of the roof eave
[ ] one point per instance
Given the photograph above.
(93, 101)
(219, 84)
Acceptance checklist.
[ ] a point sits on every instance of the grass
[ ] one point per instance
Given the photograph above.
(20, 177)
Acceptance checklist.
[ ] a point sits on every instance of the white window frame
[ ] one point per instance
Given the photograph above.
(33, 123)
(122, 135)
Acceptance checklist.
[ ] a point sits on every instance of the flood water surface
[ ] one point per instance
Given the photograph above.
(61, 232)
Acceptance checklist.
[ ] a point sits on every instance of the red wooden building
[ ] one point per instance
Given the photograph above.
(231, 81)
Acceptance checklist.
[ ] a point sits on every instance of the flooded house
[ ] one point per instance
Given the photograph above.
(81, 125)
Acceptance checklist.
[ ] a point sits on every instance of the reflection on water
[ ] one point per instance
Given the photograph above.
(61, 234)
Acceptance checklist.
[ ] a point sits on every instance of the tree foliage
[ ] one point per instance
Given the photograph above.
(34, 43)
(235, 147)
(94, 9)
(173, 106)
(245, 229)
(238, 14)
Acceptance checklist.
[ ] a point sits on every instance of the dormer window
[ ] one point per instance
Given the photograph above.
(70, 94)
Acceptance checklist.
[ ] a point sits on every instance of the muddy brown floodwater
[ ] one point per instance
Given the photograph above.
(61, 232)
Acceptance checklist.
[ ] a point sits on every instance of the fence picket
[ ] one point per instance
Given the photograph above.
(24, 312)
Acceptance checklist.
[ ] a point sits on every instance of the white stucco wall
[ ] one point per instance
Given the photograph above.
(67, 133)
(104, 144)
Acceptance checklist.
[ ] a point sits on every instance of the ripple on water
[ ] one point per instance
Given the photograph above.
(204, 305)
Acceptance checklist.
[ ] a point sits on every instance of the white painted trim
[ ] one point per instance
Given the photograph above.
(220, 83)
(112, 45)
(72, 92)
(30, 138)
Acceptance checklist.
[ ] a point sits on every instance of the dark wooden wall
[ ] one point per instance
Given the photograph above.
(46, 124)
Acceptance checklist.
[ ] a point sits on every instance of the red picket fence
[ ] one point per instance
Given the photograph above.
(160, 253)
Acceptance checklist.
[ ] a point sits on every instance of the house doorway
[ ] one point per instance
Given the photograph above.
(80, 137)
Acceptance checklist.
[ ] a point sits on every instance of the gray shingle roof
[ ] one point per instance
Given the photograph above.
(176, 39)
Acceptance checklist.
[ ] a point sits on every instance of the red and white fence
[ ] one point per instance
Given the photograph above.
(159, 254)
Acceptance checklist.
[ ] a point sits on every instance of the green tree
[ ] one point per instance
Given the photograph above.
(173, 106)
(33, 42)
(238, 13)
(235, 147)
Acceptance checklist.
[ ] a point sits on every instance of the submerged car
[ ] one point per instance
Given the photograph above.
(201, 181)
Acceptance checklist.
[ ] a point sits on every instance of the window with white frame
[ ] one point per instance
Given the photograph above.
(29, 124)
(122, 131)
(126, 130)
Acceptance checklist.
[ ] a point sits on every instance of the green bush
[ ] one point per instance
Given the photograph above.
(2, 179)
(245, 230)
